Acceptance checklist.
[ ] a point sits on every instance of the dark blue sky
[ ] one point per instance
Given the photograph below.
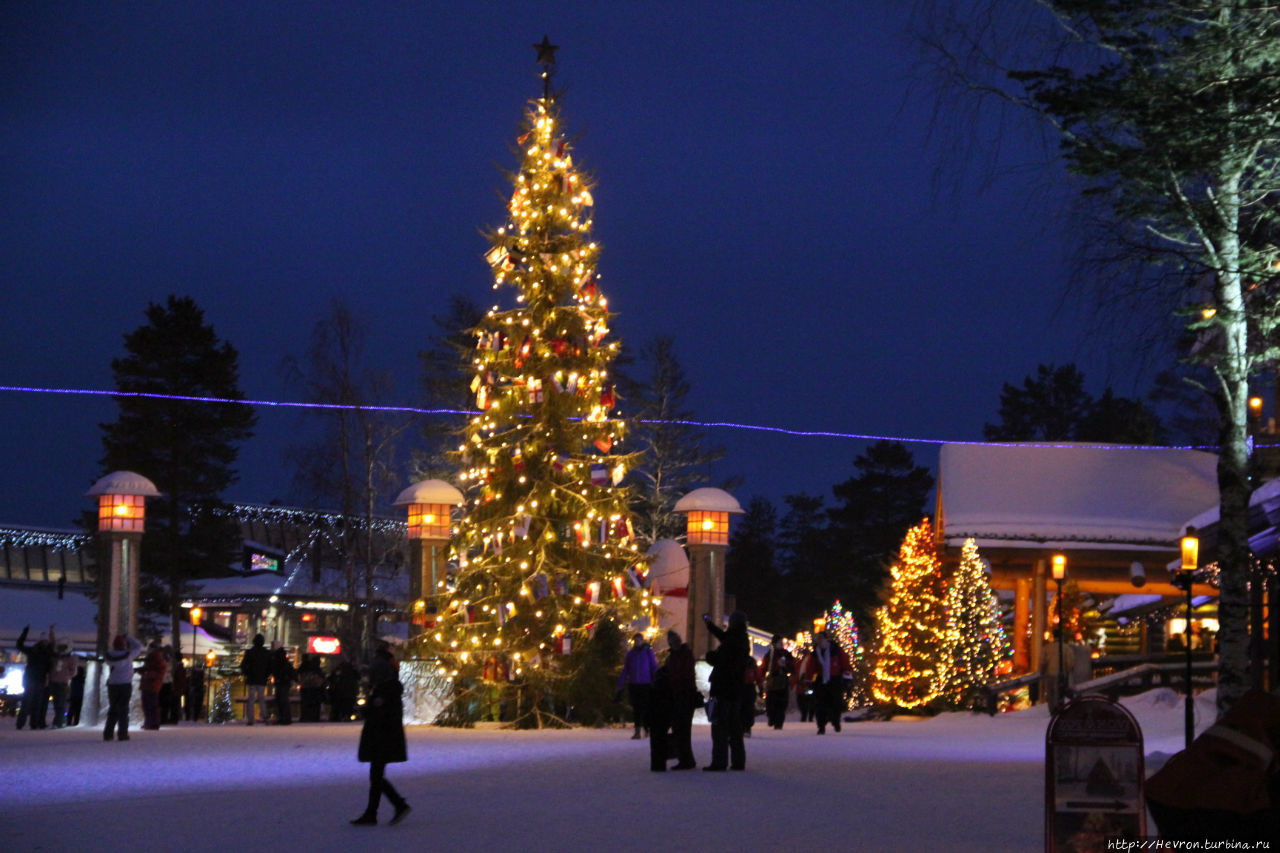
(765, 194)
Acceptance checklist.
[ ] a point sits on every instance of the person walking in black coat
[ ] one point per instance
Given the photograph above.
(729, 664)
(382, 738)
(682, 677)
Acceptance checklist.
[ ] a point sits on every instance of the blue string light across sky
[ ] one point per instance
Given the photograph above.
(765, 193)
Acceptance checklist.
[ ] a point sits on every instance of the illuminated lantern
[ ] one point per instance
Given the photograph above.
(707, 536)
(430, 505)
(1190, 551)
(122, 514)
(122, 506)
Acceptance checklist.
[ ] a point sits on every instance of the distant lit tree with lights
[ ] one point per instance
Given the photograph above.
(546, 551)
(975, 642)
(910, 669)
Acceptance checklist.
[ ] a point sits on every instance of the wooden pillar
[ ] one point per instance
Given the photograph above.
(1021, 625)
(1039, 620)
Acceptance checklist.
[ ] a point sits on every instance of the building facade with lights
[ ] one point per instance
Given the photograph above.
(1116, 514)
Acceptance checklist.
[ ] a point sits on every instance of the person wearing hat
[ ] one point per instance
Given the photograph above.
(119, 661)
(776, 671)
(682, 676)
(638, 669)
(1226, 785)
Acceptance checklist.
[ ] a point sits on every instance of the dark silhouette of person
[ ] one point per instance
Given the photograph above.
(282, 674)
(382, 738)
(729, 663)
(35, 678)
(682, 679)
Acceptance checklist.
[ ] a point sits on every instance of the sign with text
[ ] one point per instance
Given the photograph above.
(324, 645)
(1093, 776)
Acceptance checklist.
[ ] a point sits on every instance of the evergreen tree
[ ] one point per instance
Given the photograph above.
(975, 643)
(751, 567)
(804, 556)
(546, 550)
(676, 457)
(873, 512)
(910, 670)
(446, 371)
(1046, 408)
(187, 448)
(1054, 406)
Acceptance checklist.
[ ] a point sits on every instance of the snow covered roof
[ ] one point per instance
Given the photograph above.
(1098, 495)
(298, 582)
(430, 492)
(709, 499)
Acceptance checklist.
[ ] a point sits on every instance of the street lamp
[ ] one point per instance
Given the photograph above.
(1190, 561)
(196, 613)
(122, 509)
(1059, 573)
(707, 535)
(430, 504)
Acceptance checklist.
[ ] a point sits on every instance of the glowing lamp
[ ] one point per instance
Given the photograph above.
(1190, 550)
(196, 613)
(708, 512)
(1059, 566)
(209, 658)
(1255, 406)
(430, 504)
(122, 506)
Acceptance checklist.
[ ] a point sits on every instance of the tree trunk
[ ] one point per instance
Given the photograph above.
(1233, 465)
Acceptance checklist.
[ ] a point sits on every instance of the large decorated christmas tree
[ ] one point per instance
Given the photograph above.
(546, 553)
(975, 643)
(909, 666)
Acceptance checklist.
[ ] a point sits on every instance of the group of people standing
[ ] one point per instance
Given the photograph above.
(265, 669)
(52, 675)
(664, 697)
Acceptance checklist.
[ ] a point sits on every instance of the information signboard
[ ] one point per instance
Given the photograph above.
(1093, 776)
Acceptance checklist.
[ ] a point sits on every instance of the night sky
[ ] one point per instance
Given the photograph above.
(766, 193)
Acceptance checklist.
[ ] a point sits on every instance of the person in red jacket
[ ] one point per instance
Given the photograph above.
(830, 671)
(150, 682)
(1225, 785)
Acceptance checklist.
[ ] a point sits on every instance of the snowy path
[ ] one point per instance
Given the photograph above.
(956, 783)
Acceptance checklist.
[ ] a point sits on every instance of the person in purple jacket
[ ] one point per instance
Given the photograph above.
(637, 676)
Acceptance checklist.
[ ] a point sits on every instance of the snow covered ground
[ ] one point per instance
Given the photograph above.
(957, 782)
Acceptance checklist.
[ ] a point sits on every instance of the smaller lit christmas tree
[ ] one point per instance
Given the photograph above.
(909, 669)
(222, 710)
(843, 630)
(975, 642)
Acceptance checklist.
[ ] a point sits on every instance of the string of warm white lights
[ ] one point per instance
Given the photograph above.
(414, 410)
